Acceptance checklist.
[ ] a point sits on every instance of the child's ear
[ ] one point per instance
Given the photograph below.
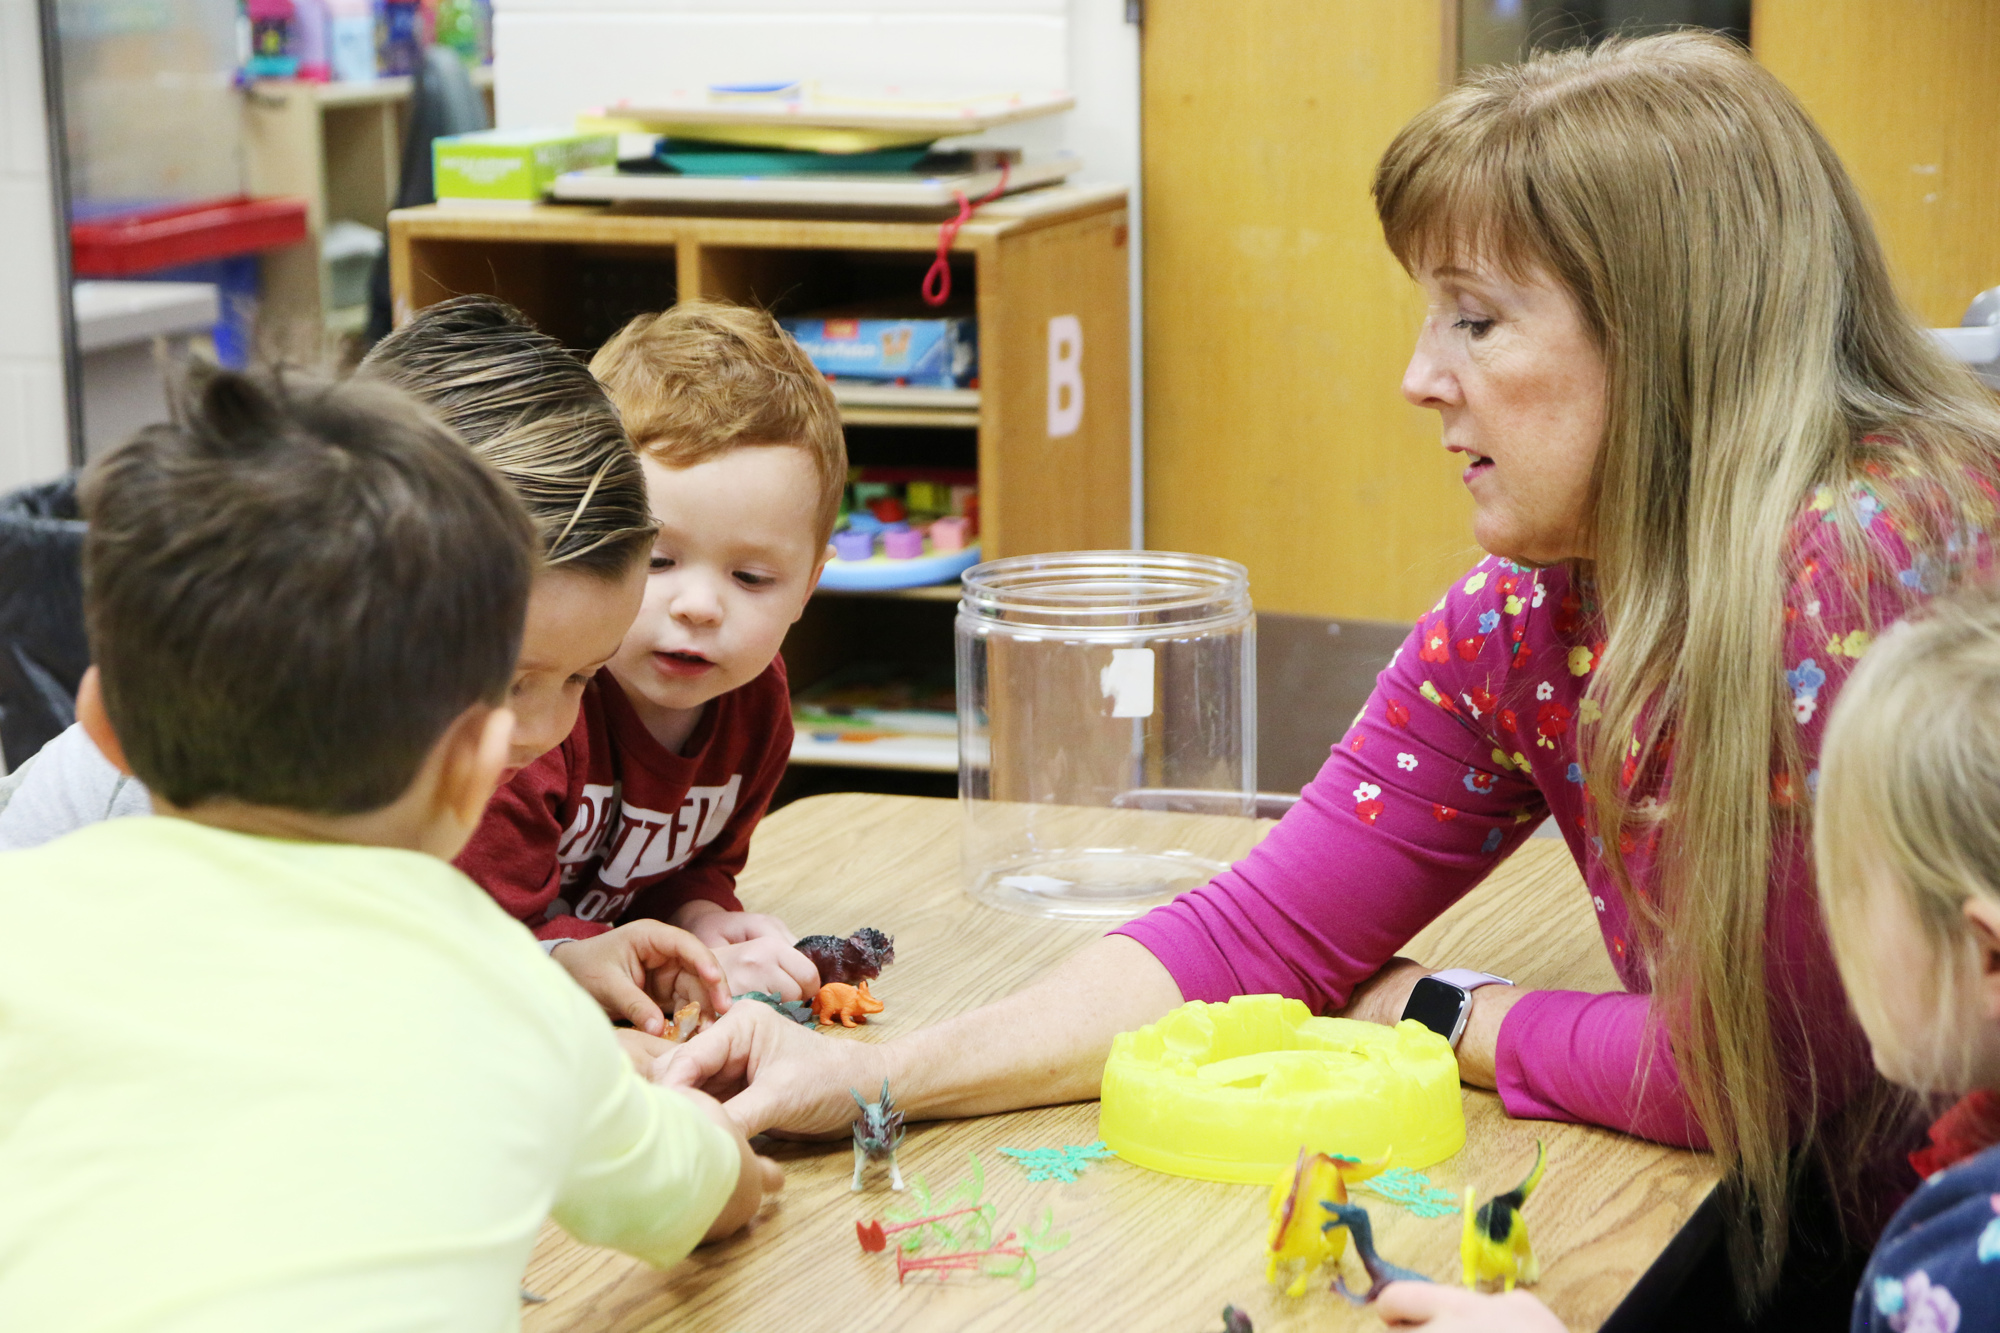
(474, 762)
(1982, 918)
(97, 722)
(813, 585)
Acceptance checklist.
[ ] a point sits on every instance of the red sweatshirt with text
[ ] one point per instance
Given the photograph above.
(611, 825)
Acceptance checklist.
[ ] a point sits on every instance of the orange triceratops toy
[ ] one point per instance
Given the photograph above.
(847, 1003)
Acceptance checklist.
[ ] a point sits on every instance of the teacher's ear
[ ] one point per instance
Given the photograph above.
(97, 722)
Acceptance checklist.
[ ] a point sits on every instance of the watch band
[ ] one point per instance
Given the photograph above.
(1468, 980)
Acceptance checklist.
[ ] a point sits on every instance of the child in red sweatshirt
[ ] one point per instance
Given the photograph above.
(644, 813)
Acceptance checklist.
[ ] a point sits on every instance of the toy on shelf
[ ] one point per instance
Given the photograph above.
(879, 343)
(1494, 1245)
(868, 712)
(1298, 1240)
(859, 957)
(1353, 1219)
(878, 1132)
(837, 1000)
(1231, 1092)
(799, 1011)
(904, 527)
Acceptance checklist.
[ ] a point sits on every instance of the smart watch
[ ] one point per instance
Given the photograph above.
(1442, 1001)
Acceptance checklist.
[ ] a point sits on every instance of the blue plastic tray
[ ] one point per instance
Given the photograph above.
(880, 571)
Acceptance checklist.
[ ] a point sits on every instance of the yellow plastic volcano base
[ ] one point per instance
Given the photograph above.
(1232, 1091)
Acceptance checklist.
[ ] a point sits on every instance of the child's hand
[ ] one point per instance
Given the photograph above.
(1443, 1309)
(633, 969)
(715, 925)
(643, 1049)
(769, 965)
(758, 1177)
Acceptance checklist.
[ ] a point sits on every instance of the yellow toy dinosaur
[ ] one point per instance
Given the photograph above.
(1297, 1214)
(1494, 1245)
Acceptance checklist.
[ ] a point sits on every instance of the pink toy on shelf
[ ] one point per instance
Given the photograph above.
(904, 545)
(961, 498)
(949, 534)
(854, 545)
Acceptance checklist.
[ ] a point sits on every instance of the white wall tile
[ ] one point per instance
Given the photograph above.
(34, 443)
(24, 146)
(33, 422)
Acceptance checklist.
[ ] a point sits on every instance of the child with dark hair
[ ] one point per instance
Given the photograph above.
(533, 412)
(312, 1071)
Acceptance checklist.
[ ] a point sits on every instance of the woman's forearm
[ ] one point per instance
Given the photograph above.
(1042, 1045)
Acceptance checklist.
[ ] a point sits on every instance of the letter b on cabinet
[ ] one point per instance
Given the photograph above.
(1065, 376)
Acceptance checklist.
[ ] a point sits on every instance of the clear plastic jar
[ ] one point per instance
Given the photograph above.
(1103, 697)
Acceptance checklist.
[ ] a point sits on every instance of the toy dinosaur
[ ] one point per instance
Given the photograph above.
(1296, 1237)
(1381, 1272)
(686, 1019)
(878, 1132)
(844, 1002)
(1494, 1244)
(859, 957)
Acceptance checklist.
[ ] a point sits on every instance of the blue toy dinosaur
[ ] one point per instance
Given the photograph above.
(1380, 1271)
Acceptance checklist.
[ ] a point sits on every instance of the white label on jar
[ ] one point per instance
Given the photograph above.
(1128, 682)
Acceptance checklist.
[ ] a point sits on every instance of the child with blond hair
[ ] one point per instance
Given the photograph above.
(645, 812)
(1907, 845)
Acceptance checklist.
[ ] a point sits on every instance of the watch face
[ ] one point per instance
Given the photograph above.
(1436, 1004)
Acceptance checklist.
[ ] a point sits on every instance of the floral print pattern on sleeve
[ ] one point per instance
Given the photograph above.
(1937, 1266)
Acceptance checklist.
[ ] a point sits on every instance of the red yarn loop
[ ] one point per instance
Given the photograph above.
(937, 282)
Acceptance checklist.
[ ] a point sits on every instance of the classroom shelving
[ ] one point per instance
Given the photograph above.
(338, 146)
(1038, 269)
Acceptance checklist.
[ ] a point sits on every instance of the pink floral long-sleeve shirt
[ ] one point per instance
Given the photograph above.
(1467, 743)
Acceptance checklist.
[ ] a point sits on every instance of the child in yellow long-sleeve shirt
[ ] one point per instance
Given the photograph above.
(312, 1077)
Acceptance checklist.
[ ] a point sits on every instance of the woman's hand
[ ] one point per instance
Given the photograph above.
(1383, 997)
(772, 1072)
(1039, 1046)
(1443, 1309)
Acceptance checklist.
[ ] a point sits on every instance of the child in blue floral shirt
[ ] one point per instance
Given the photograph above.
(1907, 844)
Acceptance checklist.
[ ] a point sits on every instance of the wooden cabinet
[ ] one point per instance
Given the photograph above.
(1277, 322)
(1906, 95)
(339, 147)
(1049, 478)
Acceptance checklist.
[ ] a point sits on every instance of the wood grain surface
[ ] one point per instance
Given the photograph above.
(1147, 1251)
(1278, 324)
(1906, 96)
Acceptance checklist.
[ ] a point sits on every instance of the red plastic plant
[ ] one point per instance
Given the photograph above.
(966, 1261)
(874, 1236)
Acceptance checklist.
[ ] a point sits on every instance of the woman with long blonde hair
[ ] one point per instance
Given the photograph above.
(1711, 455)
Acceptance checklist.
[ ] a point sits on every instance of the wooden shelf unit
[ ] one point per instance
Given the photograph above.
(338, 146)
(1022, 265)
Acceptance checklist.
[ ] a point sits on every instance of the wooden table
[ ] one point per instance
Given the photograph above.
(1148, 1251)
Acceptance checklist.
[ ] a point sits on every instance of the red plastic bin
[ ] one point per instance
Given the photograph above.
(157, 238)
